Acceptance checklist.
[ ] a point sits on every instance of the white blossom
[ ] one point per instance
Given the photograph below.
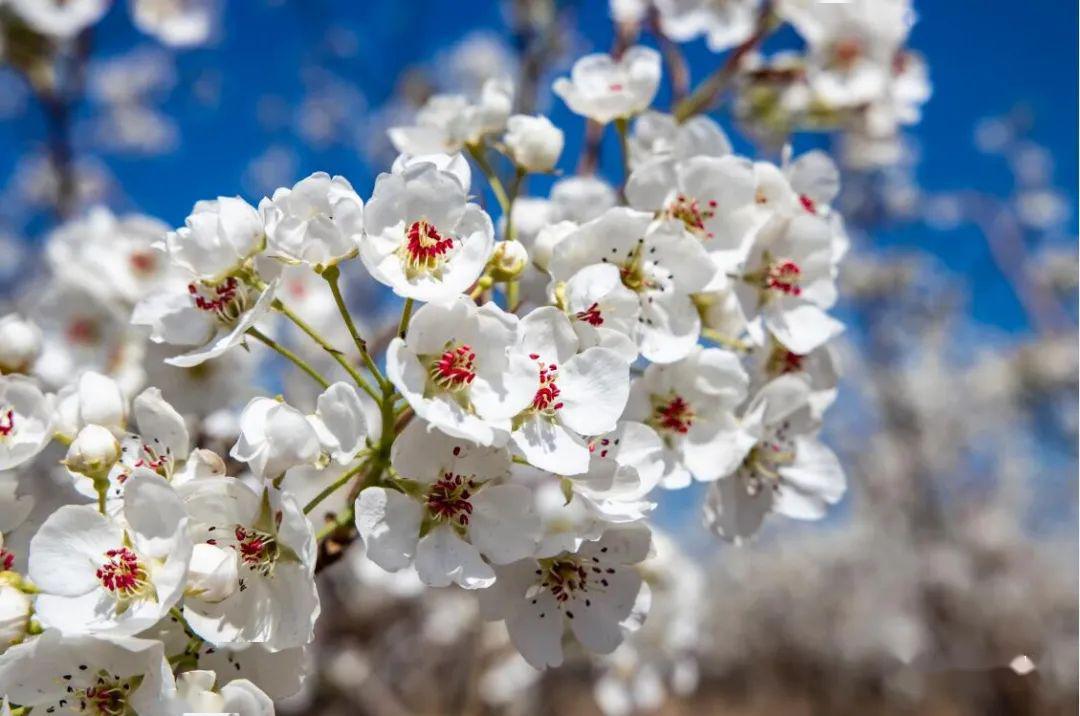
(422, 237)
(319, 221)
(104, 575)
(603, 88)
(25, 420)
(459, 369)
(534, 142)
(593, 591)
(457, 509)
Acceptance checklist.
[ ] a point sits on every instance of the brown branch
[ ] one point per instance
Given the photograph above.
(707, 93)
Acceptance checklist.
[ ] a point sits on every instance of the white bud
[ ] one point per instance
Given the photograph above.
(20, 344)
(93, 451)
(212, 575)
(546, 241)
(508, 260)
(534, 142)
(14, 611)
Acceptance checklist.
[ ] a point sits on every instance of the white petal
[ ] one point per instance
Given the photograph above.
(442, 558)
(388, 523)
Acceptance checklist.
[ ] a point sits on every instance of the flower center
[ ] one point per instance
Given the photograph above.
(846, 52)
(83, 331)
(227, 301)
(455, 369)
(142, 262)
(105, 698)
(632, 271)
(424, 250)
(808, 203)
(258, 550)
(687, 210)
(546, 399)
(448, 499)
(760, 469)
(153, 457)
(783, 275)
(672, 415)
(7, 423)
(782, 361)
(564, 577)
(7, 560)
(591, 315)
(124, 574)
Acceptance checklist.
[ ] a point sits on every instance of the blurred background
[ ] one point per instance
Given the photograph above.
(946, 583)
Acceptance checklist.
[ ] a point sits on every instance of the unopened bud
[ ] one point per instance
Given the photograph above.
(93, 452)
(508, 260)
(20, 344)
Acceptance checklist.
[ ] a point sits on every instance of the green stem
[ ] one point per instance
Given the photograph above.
(476, 151)
(322, 342)
(334, 525)
(332, 274)
(335, 486)
(297, 360)
(726, 341)
(406, 316)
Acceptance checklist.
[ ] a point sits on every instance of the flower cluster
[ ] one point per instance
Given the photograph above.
(549, 374)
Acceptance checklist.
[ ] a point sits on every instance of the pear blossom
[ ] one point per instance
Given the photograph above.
(20, 344)
(534, 142)
(61, 18)
(579, 393)
(787, 282)
(819, 368)
(119, 259)
(217, 238)
(691, 405)
(26, 423)
(340, 422)
(274, 436)
(274, 600)
(318, 221)
(658, 261)
(199, 695)
(457, 509)
(102, 575)
(724, 24)
(603, 88)
(92, 399)
(625, 465)
(771, 460)
(459, 370)
(659, 136)
(210, 317)
(712, 198)
(602, 311)
(447, 122)
(177, 23)
(160, 442)
(93, 452)
(581, 198)
(16, 606)
(81, 673)
(593, 591)
(851, 45)
(422, 237)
